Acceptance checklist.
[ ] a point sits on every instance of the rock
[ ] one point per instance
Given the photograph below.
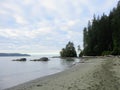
(34, 60)
(56, 57)
(21, 59)
(44, 59)
(41, 59)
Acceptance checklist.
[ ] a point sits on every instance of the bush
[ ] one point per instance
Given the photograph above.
(81, 54)
(106, 53)
(116, 52)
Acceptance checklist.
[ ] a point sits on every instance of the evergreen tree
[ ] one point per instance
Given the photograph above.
(102, 35)
(68, 51)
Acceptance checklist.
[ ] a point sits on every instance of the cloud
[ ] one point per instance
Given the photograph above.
(25, 33)
(19, 19)
(46, 25)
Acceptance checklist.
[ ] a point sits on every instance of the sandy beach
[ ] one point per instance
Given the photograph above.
(100, 73)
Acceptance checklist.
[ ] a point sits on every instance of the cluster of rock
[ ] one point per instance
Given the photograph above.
(41, 59)
(24, 59)
(21, 59)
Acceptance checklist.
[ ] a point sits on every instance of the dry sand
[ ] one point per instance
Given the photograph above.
(101, 73)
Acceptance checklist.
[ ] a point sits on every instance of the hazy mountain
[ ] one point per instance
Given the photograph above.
(13, 54)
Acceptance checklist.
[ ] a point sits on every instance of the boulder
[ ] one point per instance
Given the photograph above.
(41, 59)
(21, 59)
(44, 59)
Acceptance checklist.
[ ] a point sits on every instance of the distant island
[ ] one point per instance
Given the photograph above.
(13, 54)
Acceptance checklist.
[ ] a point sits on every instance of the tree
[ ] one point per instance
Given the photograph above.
(80, 51)
(102, 35)
(68, 51)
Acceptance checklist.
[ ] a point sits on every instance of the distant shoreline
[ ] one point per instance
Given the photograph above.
(12, 54)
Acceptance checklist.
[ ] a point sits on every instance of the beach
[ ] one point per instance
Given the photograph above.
(98, 73)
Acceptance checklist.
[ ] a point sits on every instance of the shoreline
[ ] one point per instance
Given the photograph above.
(79, 76)
(42, 78)
(32, 83)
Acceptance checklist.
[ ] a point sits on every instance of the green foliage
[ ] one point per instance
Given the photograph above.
(68, 51)
(102, 35)
(116, 51)
(106, 53)
(81, 54)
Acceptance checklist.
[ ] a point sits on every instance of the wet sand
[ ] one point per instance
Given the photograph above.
(100, 73)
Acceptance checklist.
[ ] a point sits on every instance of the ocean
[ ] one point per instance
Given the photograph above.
(13, 73)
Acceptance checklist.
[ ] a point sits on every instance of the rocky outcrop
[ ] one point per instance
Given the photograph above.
(21, 59)
(41, 59)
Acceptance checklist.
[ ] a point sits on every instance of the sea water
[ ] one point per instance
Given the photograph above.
(15, 72)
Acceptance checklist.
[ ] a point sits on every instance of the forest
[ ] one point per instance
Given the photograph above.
(100, 37)
(102, 34)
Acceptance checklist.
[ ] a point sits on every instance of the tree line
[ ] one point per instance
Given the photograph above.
(102, 35)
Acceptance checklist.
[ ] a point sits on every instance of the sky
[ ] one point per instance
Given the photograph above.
(46, 26)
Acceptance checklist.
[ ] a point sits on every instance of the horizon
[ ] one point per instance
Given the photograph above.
(32, 54)
(42, 27)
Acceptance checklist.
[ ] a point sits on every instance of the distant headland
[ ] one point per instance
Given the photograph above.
(13, 54)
